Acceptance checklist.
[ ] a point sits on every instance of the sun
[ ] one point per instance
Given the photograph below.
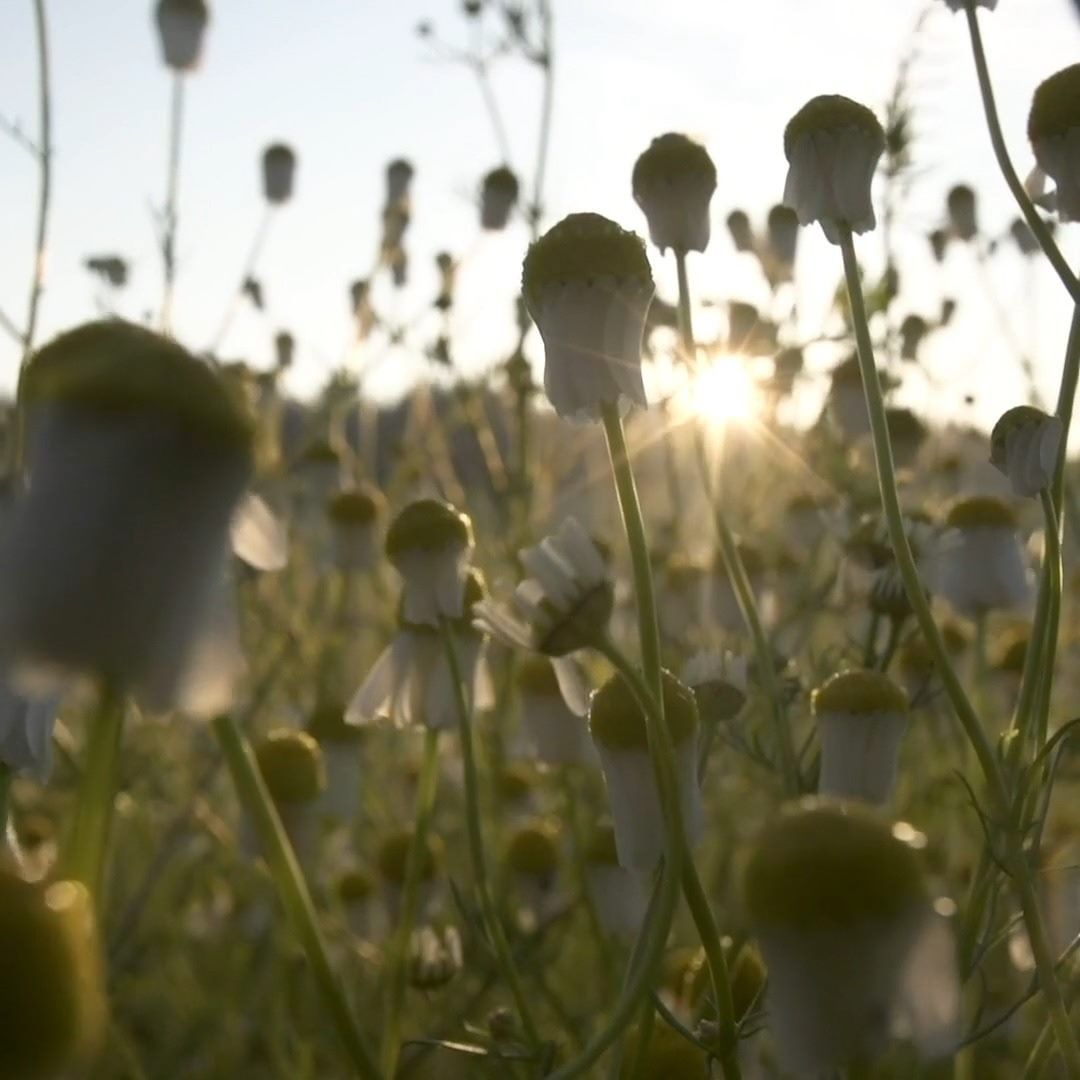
(722, 391)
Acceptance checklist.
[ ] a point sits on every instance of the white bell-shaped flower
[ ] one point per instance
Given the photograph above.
(354, 516)
(1054, 131)
(114, 563)
(833, 145)
(498, 196)
(563, 605)
(182, 28)
(673, 182)
(1024, 447)
(855, 950)
(620, 896)
(588, 286)
(555, 732)
(619, 731)
(341, 745)
(861, 717)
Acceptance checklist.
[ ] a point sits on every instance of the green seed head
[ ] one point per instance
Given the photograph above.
(580, 248)
(427, 526)
(534, 849)
(831, 112)
(358, 506)
(115, 368)
(980, 510)
(858, 692)
(1055, 108)
(52, 1002)
(291, 763)
(821, 865)
(672, 157)
(617, 722)
(354, 886)
(394, 854)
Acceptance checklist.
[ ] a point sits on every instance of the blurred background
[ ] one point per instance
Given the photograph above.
(352, 84)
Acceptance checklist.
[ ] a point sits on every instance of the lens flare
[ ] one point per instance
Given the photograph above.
(722, 392)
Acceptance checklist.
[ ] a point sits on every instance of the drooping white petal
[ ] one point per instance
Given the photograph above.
(573, 684)
(258, 536)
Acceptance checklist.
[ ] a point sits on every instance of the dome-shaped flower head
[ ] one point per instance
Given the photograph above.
(673, 182)
(982, 566)
(340, 743)
(392, 861)
(861, 717)
(741, 231)
(719, 684)
(1024, 447)
(833, 145)
(619, 895)
(962, 209)
(556, 733)
(411, 682)
(182, 26)
(354, 517)
(292, 766)
(563, 605)
(114, 561)
(588, 285)
(621, 736)
(854, 949)
(498, 196)
(52, 999)
(278, 173)
(1054, 131)
(782, 231)
(533, 855)
(430, 544)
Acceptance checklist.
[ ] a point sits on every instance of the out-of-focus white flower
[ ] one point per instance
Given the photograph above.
(399, 174)
(861, 717)
(114, 562)
(435, 957)
(722, 601)
(1024, 446)
(782, 232)
(912, 332)
(846, 403)
(981, 565)
(292, 766)
(963, 213)
(742, 233)
(1054, 131)
(855, 950)
(532, 858)
(259, 538)
(556, 733)
(498, 195)
(808, 520)
(673, 182)
(182, 27)
(392, 860)
(430, 543)
(620, 896)
(411, 682)
(26, 728)
(279, 173)
(907, 433)
(833, 145)
(719, 681)
(340, 743)
(619, 731)
(588, 286)
(565, 603)
(354, 516)
(681, 600)
(356, 891)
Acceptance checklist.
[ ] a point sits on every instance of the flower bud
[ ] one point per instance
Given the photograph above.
(587, 284)
(498, 196)
(673, 182)
(833, 145)
(279, 173)
(1024, 447)
(435, 957)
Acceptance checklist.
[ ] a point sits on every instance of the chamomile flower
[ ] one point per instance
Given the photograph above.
(588, 286)
(498, 196)
(619, 731)
(114, 562)
(1054, 131)
(564, 604)
(556, 733)
(392, 861)
(278, 173)
(532, 859)
(861, 717)
(293, 768)
(620, 896)
(340, 744)
(1024, 447)
(855, 950)
(354, 517)
(182, 27)
(833, 145)
(673, 183)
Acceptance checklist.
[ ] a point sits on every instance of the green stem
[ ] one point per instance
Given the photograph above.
(427, 788)
(292, 887)
(89, 843)
(1018, 865)
(1040, 1053)
(1001, 152)
(1053, 575)
(685, 319)
(488, 910)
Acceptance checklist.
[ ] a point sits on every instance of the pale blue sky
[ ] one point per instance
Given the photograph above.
(350, 86)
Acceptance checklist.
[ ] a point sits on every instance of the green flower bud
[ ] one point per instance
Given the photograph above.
(858, 692)
(291, 764)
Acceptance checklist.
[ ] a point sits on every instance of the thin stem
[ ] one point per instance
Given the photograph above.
(89, 843)
(536, 210)
(45, 189)
(249, 269)
(1001, 152)
(685, 318)
(1054, 575)
(474, 829)
(171, 218)
(427, 787)
(292, 887)
(1018, 865)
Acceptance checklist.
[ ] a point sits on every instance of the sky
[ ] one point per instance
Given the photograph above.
(350, 85)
